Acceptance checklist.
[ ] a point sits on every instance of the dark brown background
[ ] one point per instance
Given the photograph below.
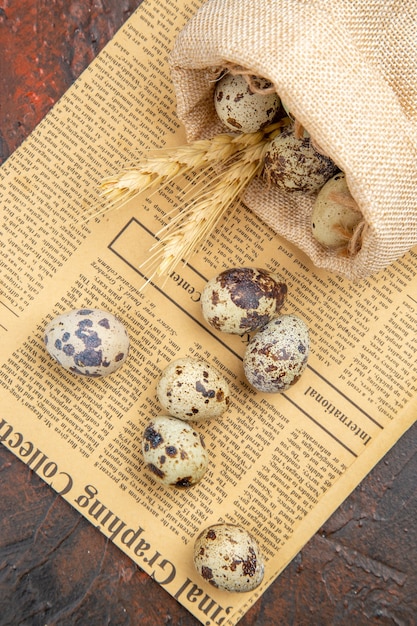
(55, 568)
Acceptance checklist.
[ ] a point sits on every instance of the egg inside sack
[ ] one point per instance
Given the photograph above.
(242, 106)
(244, 299)
(174, 453)
(294, 165)
(228, 557)
(192, 389)
(87, 342)
(277, 355)
(335, 216)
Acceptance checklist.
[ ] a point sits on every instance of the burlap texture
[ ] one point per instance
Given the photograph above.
(347, 69)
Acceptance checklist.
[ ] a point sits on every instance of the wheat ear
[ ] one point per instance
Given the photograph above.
(187, 231)
(165, 165)
(227, 164)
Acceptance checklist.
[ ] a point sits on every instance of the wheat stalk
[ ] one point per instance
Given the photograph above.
(227, 164)
(188, 230)
(167, 164)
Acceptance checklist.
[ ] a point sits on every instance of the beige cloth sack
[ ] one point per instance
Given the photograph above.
(347, 70)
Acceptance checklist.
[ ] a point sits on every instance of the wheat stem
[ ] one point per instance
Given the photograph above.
(167, 164)
(188, 230)
(227, 164)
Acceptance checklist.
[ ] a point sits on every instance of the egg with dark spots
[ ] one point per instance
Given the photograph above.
(242, 300)
(228, 557)
(277, 355)
(294, 165)
(243, 108)
(174, 453)
(87, 342)
(192, 389)
(336, 217)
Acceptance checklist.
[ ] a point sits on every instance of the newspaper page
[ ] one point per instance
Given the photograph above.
(280, 464)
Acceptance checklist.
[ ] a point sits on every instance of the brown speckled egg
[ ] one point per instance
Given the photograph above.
(174, 452)
(242, 110)
(193, 390)
(242, 299)
(87, 342)
(292, 164)
(335, 214)
(228, 557)
(277, 355)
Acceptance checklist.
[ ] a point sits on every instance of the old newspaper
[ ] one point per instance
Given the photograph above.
(279, 464)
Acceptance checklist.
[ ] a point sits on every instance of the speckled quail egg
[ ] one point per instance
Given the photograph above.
(293, 164)
(193, 390)
(242, 299)
(88, 342)
(242, 109)
(228, 557)
(335, 215)
(277, 355)
(174, 452)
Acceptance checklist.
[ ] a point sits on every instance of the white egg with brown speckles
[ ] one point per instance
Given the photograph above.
(193, 390)
(335, 215)
(240, 108)
(228, 557)
(277, 355)
(87, 342)
(174, 453)
(292, 164)
(242, 300)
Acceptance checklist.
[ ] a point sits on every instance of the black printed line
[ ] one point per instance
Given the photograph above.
(9, 309)
(357, 407)
(328, 432)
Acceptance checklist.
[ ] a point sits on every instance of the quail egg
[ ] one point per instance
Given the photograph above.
(228, 557)
(292, 164)
(240, 108)
(335, 215)
(193, 390)
(277, 355)
(88, 342)
(242, 299)
(174, 452)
